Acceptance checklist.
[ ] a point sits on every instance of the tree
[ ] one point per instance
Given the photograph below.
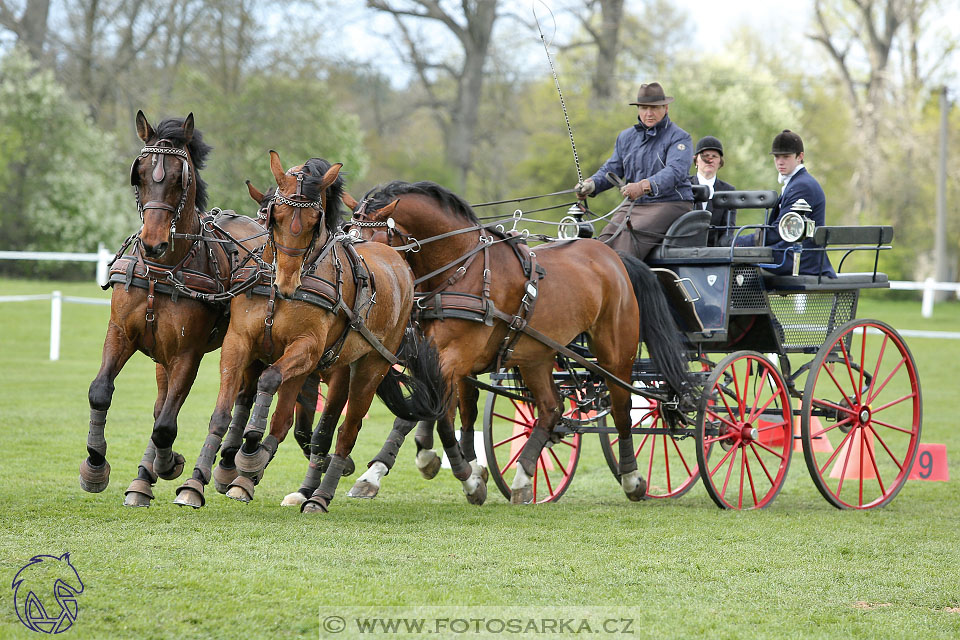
(472, 28)
(60, 183)
(30, 26)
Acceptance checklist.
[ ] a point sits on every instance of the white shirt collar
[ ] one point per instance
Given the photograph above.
(785, 180)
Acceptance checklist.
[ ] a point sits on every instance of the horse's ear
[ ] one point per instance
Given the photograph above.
(256, 195)
(385, 212)
(188, 128)
(350, 201)
(276, 168)
(144, 130)
(331, 175)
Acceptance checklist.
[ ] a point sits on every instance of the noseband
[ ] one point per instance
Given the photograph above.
(158, 152)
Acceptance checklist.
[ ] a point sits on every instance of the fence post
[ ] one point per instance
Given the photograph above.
(56, 309)
(926, 308)
(103, 257)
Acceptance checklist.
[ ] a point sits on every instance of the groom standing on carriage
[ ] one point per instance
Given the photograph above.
(652, 158)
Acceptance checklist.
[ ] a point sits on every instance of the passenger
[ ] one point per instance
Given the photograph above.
(653, 157)
(708, 158)
(798, 184)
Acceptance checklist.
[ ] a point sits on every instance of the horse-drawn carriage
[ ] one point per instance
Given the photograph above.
(739, 360)
(782, 361)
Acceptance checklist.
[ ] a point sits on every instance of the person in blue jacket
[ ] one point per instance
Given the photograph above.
(798, 184)
(653, 159)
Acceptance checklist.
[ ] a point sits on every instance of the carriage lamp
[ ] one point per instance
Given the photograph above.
(796, 225)
(573, 225)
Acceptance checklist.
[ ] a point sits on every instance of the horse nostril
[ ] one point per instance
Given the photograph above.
(156, 250)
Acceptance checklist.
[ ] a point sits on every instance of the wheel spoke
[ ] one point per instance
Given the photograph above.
(863, 354)
(890, 404)
(846, 460)
(836, 451)
(839, 423)
(846, 358)
(736, 386)
(762, 464)
(756, 397)
(873, 462)
(876, 370)
(511, 461)
(894, 427)
(510, 439)
(743, 460)
(666, 464)
(653, 451)
(682, 458)
(766, 448)
(733, 461)
(839, 388)
(826, 404)
(722, 460)
(767, 427)
(512, 419)
(721, 419)
(556, 459)
(546, 476)
(753, 489)
(886, 448)
(886, 380)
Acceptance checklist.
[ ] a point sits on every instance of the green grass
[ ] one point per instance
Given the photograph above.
(679, 568)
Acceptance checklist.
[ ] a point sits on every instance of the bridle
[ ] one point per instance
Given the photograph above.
(298, 201)
(157, 152)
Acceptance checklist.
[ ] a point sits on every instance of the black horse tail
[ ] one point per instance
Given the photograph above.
(422, 394)
(657, 327)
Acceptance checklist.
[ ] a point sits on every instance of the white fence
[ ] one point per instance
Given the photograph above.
(929, 288)
(101, 257)
(56, 313)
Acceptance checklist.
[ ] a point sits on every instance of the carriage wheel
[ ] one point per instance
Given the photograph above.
(506, 428)
(744, 432)
(667, 462)
(861, 415)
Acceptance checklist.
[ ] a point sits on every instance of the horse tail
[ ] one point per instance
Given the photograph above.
(657, 327)
(422, 394)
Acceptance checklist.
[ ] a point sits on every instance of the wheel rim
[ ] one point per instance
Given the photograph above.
(862, 406)
(744, 432)
(507, 426)
(668, 463)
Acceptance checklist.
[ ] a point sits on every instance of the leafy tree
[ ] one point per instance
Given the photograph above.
(61, 185)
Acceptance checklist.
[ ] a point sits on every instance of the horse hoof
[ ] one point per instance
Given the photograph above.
(294, 499)
(241, 489)
(479, 496)
(190, 494)
(138, 494)
(222, 477)
(94, 479)
(252, 463)
(313, 506)
(429, 463)
(363, 489)
(173, 472)
(484, 474)
(638, 493)
(348, 467)
(523, 495)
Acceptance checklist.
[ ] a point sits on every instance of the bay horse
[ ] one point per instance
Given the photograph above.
(168, 295)
(517, 308)
(327, 305)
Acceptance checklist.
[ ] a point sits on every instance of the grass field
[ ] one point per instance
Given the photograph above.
(679, 568)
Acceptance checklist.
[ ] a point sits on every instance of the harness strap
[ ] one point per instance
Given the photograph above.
(527, 304)
(268, 323)
(149, 340)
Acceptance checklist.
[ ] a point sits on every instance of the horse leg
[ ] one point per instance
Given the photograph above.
(226, 470)
(234, 372)
(633, 484)
(539, 380)
(306, 410)
(338, 385)
(364, 377)
(427, 460)
(469, 396)
(117, 349)
(297, 361)
(168, 464)
(368, 485)
(140, 491)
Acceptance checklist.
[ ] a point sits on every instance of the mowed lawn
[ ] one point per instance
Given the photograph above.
(676, 568)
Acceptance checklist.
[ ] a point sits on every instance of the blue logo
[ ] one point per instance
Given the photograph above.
(45, 594)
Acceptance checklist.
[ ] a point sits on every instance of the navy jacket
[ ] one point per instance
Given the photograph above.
(801, 185)
(719, 217)
(662, 154)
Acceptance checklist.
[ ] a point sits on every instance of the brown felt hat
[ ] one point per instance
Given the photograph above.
(651, 94)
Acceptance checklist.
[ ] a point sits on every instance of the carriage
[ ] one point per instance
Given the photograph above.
(783, 362)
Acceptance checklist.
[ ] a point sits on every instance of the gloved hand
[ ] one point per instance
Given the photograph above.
(585, 188)
(634, 190)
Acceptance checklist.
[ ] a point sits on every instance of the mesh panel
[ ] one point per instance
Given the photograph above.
(805, 319)
(746, 288)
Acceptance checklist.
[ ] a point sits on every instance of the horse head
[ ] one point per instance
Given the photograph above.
(304, 211)
(165, 180)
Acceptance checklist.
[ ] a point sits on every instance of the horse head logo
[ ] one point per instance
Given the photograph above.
(43, 581)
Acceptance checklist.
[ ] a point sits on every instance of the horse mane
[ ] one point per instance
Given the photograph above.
(172, 129)
(315, 169)
(381, 196)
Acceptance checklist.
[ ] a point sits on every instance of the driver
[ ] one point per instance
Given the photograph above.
(653, 158)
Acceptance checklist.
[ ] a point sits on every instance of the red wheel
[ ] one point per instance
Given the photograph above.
(861, 415)
(506, 428)
(667, 460)
(744, 432)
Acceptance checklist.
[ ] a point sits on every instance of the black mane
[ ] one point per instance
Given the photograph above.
(315, 169)
(172, 129)
(381, 196)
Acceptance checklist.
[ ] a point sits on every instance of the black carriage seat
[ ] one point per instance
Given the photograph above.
(848, 240)
(686, 239)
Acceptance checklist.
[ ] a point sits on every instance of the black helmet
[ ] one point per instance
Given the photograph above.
(708, 142)
(786, 142)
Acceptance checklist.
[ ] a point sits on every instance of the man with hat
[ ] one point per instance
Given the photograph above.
(652, 158)
(800, 191)
(708, 158)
